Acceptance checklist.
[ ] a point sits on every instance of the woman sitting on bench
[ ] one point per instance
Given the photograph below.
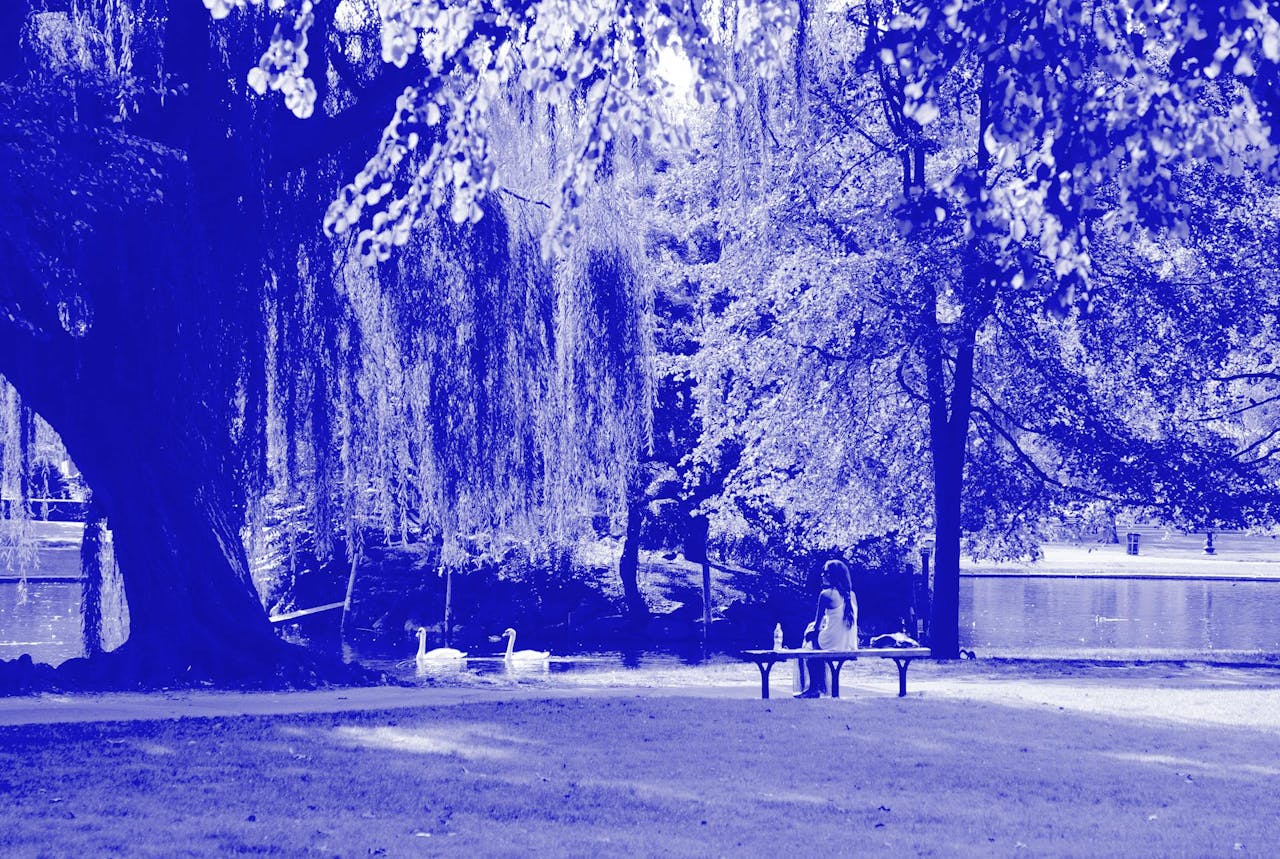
(835, 626)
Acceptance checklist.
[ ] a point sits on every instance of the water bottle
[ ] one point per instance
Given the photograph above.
(777, 637)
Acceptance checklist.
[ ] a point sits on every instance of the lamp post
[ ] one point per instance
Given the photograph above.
(924, 591)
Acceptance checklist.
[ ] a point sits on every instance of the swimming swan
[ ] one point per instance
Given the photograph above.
(513, 655)
(440, 654)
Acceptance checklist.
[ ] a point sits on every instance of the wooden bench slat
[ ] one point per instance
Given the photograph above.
(882, 652)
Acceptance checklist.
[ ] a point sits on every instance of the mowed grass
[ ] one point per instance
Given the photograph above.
(627, 774)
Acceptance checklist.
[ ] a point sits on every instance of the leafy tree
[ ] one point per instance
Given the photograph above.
(849, 342)
(1080, 119)
(128, 332)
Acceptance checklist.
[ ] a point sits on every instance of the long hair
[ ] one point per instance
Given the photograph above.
(837, 572)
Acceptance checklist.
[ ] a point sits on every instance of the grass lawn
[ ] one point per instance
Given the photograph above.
(980, 760)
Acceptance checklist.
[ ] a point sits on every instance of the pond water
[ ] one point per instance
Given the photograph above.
(1134, 617)
(1000, 616)
(46, 623)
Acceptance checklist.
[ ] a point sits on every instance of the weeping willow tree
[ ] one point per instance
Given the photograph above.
(172, 308)
(471, 394)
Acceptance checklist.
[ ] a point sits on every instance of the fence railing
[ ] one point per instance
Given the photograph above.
(47, 509)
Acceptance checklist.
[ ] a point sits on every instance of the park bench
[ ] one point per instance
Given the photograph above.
(902, 656)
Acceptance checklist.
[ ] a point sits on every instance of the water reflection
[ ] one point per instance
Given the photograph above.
(1157, 617)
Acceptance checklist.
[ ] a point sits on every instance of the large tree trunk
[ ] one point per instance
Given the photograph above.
(137, 319)
(193, 609)
(140, 418)
(949, 414)
(192, 605)
(132, 273)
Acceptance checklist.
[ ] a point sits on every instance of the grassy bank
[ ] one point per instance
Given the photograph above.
(1236, 556)
(979, 760)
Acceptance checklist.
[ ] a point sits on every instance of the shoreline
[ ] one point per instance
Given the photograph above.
(1118, 576)
(1259, 561)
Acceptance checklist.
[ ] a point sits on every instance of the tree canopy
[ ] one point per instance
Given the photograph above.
(496, 271)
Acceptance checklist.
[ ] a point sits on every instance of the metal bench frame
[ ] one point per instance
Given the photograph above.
(901, 656)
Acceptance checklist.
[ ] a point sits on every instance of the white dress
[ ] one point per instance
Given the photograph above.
(833, 634)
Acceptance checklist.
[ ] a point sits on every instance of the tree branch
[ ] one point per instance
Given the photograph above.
(1234, 412)
(900, 374)
(1256, 376)
(1031, 464)
(1239, 455)
(523, 198)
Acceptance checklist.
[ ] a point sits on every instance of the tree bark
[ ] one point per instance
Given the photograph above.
(143, 392)
(156, 394)
(944, 626)
(949, 416)
(697, 530)
(193, 610)
(629, 561)
(124, 411)
(95, 526)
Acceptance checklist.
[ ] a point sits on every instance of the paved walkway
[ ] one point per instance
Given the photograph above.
(47, 709)
(1189, 694)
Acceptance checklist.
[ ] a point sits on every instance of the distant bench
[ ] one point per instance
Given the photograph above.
(902, 656)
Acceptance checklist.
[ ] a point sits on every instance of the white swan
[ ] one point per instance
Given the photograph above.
(522, 656)
(894, 639)
(440, 654)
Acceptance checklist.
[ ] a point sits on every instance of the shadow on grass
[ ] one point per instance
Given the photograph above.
(617, 775)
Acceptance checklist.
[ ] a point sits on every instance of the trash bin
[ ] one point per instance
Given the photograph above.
(1131, 541)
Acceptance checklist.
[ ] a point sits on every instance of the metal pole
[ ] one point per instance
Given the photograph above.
(448, 605)
(706, 599)
(925, 593)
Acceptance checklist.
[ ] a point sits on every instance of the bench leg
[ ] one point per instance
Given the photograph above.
(836, 665)
(765, 667)
(902, 675)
